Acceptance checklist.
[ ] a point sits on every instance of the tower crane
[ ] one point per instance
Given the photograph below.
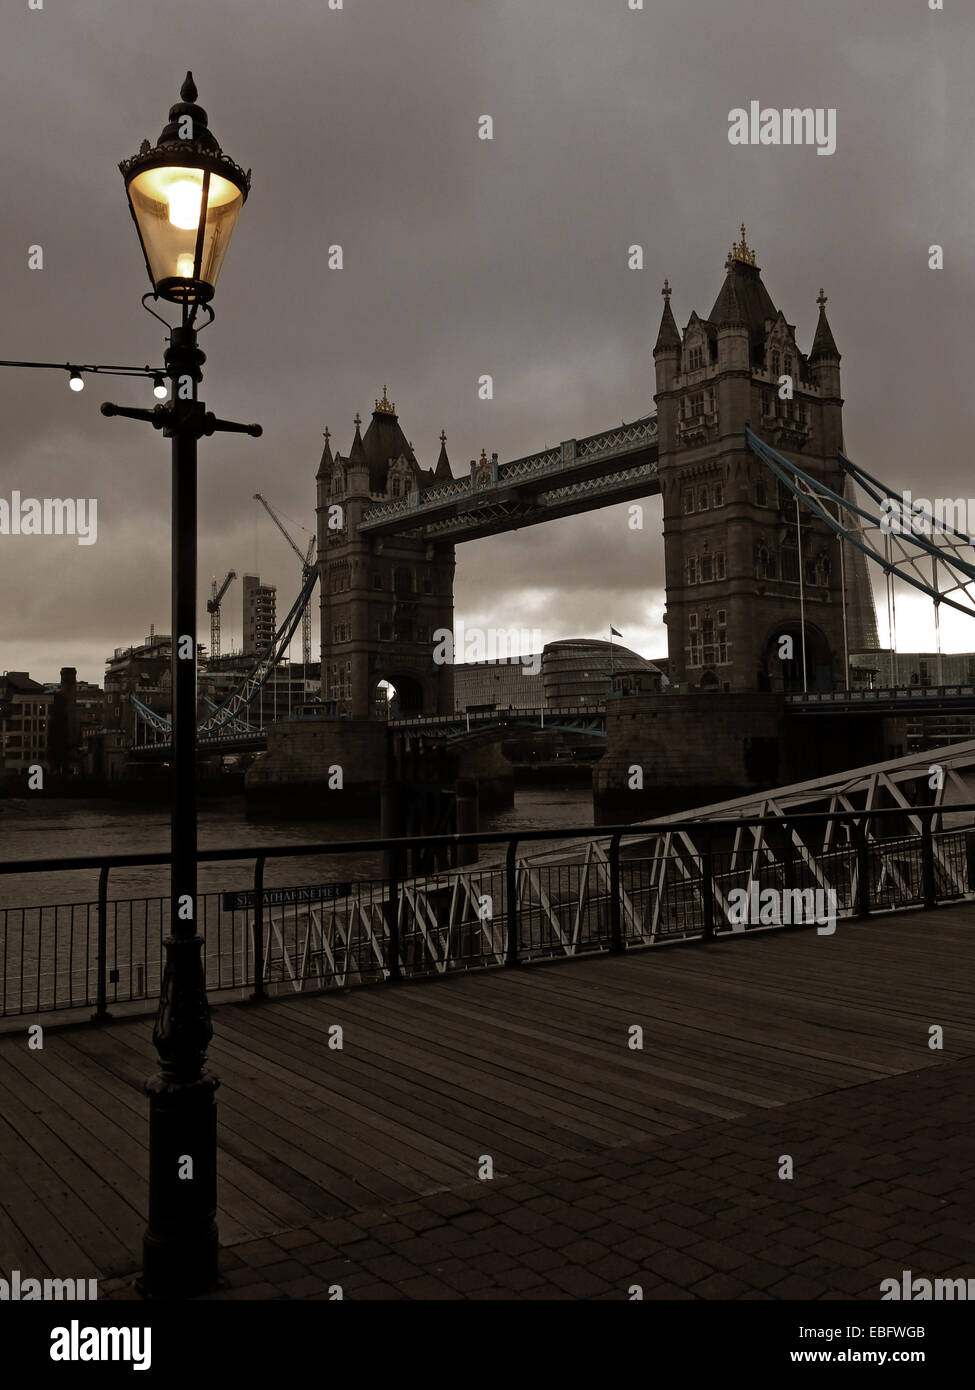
(213, 608)
(306, 569)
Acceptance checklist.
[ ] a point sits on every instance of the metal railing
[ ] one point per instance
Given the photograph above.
(677, 880)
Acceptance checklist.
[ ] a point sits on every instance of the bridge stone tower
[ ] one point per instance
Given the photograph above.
(738, 568)
(383, 598)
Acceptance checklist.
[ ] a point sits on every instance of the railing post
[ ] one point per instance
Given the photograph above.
(392, 915)
(788, 857)
(616, 943)
(927, 859)
(970, 859)
(863, 870)
(101, 1014)
(260, 989)
(511, 903)
(707, 888)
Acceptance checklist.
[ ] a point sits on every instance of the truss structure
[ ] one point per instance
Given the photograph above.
(901, 536)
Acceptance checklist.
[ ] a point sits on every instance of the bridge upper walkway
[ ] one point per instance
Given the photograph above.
(577, 475)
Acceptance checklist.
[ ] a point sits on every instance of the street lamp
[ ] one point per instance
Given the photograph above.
(184, 196)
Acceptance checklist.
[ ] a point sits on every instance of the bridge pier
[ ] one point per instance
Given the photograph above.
(671, 751)
(324, 767)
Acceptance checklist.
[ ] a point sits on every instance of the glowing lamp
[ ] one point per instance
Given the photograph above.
(185, 196)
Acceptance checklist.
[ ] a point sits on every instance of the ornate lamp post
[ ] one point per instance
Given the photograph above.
(184, 195)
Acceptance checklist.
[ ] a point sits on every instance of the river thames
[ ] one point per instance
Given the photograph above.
(69, 829)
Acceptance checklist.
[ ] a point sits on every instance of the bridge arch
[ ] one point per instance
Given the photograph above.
(786, 673)
(404, 694)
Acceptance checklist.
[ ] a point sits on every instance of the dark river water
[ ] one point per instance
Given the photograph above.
(69, 828)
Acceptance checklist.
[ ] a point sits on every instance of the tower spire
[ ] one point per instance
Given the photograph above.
(824, 344)
(668, 338)
(442, 473)
(741, 251)
(325, 467)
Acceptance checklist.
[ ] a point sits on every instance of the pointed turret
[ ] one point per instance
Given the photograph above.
(442, 473)
(668, 338)
(325, 467)
(728, 310)
(824, 366)
(824, 344)
(357, 454)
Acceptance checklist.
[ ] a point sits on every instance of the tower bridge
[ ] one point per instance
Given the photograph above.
(766, 554)
(743, 568)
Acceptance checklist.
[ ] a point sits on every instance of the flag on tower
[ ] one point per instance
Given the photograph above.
(614, 633)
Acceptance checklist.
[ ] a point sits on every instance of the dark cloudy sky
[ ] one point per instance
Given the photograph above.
(462, 257)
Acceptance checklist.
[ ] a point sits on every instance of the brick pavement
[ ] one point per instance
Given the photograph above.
(884, 1180)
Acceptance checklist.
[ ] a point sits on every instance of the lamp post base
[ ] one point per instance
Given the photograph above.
(180, 1246)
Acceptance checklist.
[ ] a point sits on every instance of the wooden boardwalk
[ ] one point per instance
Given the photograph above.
(529, 1066)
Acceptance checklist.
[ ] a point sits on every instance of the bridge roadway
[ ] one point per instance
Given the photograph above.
(898, 700)
(612, 1166)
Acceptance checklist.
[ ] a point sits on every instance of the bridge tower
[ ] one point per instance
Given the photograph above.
(382, 598)
(734, 553)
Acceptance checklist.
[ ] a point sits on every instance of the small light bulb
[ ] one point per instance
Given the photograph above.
(184, 267)
(76, 381)
(185, 201)
(159, 389)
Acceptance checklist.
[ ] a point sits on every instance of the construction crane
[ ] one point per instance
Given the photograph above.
(306, 569)
(213, 608)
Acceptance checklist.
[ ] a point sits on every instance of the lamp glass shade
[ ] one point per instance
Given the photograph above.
(169, 203)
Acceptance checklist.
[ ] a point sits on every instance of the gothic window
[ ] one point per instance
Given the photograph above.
(790, 561)
(702, 499)
(719, 565)
(775, 364)
(787, 365)
(692, 570)
(694, 641)
(710, 402)
(696, 404)
(385, 632)
(396, 486)
(717, 495)
(707, 569)
(688, 501)
(695, 359)
(764, 562)
(817, 569)
(377, 580)
(761, 497)
(714, 640)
